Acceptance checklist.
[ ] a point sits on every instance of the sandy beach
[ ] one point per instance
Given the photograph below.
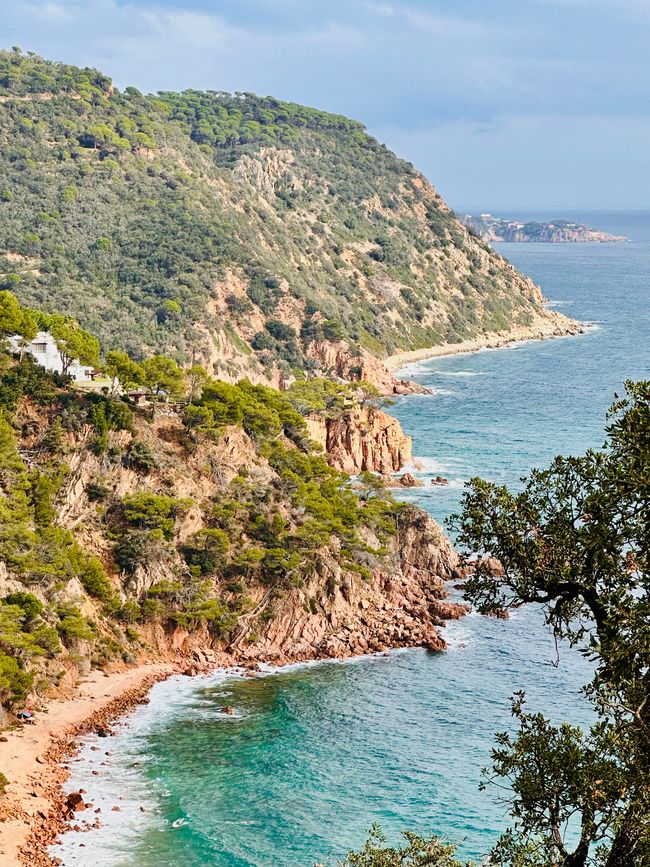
(542, 329)
(33, 758)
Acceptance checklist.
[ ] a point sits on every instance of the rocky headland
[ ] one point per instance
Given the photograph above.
(490, 228)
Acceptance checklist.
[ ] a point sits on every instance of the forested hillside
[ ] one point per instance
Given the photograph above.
(215, 515)
(247, 233)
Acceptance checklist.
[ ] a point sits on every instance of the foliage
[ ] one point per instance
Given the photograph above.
(576, 541)
(415, 852)
(261, 411)
(205, 549)
(147, 511)
(140, 458)
(125, 210)
(15, 319)
(163, 376)
(138, 548)
(119, 366)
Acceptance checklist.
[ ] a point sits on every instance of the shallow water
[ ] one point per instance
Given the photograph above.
(316, 753)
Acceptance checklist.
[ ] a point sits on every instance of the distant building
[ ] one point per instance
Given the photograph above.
(44, 349)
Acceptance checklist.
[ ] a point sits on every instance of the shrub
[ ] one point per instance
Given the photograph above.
(205, 550)
(72, 626)
(140, 458)
(138, 548)
(15, 682)
(95, 582)
(148, 511)
(96, 491)
(29, 604)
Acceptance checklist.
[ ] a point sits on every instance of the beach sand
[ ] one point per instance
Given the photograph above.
(543, 329)
(33, 758)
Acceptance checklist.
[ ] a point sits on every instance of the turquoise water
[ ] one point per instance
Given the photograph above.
(315, 754)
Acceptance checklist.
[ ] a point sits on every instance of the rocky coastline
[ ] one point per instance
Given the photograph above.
(552, 326)
(33, 818)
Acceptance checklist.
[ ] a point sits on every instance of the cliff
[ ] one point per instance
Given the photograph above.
(126, 537)
(260, 238)
(364, 439)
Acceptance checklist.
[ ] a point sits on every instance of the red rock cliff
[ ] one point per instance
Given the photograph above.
(363, 439)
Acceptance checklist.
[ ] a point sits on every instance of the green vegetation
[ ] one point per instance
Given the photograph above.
(132, 213)
(267, 527)
(576, 541)
(416, 852)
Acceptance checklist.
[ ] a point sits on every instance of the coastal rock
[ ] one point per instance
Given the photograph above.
(408, 480)
(75, 801)
(363, 439)
(337, 359)
(396, 607)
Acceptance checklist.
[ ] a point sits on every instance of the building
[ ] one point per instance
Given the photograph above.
(44, 349)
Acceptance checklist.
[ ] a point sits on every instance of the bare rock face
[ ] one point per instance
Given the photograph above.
(338, 613)
(407, 480)
(336, 359)
(364, 439)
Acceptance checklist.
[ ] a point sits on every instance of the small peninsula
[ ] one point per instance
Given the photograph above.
(491, 228)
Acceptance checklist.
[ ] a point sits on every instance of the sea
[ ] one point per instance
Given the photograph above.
(314, 754)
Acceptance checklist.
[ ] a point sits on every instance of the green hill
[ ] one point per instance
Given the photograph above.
(241, 231)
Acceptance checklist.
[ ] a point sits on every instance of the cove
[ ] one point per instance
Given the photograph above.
(315, 753)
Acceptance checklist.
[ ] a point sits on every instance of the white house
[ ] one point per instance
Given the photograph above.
(44, 349)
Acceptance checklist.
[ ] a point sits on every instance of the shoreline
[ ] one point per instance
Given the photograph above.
(36, 757)
(34, 813)
(541, 330)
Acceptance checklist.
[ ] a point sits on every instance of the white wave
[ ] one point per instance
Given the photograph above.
(424, 465)
(459, 372)
(412, 369)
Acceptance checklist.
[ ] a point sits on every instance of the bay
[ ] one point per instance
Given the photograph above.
(314, 754)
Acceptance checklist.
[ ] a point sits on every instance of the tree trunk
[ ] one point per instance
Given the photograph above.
(577, 858)
(623, 849)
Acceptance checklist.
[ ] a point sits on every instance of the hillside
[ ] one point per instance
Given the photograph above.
(262, 238)
(213, 524)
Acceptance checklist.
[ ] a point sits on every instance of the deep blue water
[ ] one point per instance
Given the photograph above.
(314, 755)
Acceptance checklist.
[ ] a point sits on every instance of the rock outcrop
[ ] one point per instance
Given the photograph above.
(363, 439)
(338, 360)
(339, 613)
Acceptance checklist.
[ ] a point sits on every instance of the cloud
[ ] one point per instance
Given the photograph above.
(541, 161)
(455, 73)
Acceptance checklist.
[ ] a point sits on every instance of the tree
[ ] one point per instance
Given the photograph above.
(163, 376)
(195, 378)
(15, 319)
(416, 852)
(576, 540)
(123, 370)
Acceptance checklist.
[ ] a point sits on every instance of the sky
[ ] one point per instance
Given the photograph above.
(505, 105)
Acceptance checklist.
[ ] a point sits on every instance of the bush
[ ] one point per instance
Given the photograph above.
(148, 511)
(72, 626)
(138, 548)
(205, 549)
(140, 458)
(96, 491)
(95, 582)
(29, 604)
(15, 682)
